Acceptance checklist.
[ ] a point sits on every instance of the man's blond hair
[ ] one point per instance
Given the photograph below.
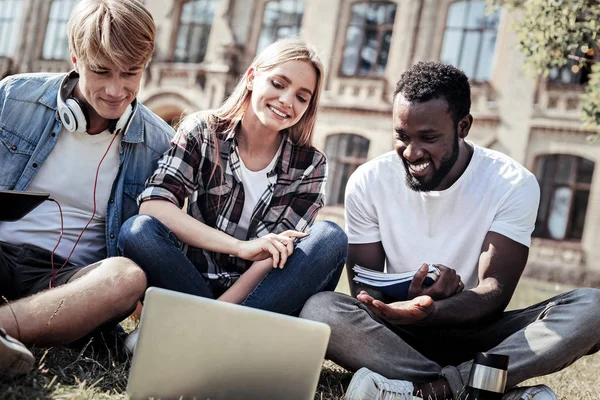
(119, 32)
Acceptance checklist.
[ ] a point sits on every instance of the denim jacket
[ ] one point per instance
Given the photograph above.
(29, 129)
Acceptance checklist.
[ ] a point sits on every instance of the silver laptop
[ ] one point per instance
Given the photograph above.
(207, 349)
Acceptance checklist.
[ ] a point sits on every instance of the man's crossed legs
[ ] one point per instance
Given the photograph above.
(90, 296)
(539, 340)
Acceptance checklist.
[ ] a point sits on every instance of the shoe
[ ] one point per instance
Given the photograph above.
(539, 392)
(368, 385)
(131, 341)
(15, 359)
(107, 340)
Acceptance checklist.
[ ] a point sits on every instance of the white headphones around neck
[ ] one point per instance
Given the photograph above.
(73, 112)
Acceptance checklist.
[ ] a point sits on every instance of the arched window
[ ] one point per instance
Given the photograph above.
(368, 39)
(345, 153)
(565, 182)
(470, 38)
(195, 21)
(282, 18)
(9, 21)
(56, 41)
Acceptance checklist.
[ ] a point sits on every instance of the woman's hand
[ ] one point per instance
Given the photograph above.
(277, 246)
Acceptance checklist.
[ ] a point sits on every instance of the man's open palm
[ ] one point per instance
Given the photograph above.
(400, 312)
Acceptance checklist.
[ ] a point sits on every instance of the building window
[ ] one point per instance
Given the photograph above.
(565, 182)
(345, 153)
(56, 41)
(9, 22)
(368, 39)
(195, 21)
(470, 39)
(574, 72)
(282, 18)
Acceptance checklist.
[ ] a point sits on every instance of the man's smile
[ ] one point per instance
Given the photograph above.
(418, 169)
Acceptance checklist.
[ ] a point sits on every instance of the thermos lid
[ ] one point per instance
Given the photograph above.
(499, 361)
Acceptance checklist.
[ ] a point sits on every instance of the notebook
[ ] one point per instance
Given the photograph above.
(393, 285)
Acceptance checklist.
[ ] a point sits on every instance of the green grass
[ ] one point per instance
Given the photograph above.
(66, 374)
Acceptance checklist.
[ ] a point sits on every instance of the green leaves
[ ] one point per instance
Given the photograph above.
(552, 32)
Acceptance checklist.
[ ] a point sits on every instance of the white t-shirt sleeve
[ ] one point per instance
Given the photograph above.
(362, 224)
(517, 213)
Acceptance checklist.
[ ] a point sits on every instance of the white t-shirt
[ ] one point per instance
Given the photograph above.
(68, 174)
(495, 193)
(255, 185)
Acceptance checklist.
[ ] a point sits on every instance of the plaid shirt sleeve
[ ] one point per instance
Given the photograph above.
(175, 177)
(304, 198)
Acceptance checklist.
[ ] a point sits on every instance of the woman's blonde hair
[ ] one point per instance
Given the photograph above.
(291, 49)
(119, 32)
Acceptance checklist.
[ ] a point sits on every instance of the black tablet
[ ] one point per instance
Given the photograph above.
(14, 204)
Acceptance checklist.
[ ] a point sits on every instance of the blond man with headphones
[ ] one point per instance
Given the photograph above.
(83, 139)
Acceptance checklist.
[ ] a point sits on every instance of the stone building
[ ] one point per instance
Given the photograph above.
(203, 46)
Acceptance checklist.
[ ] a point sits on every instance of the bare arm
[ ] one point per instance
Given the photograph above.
(247, 282)
(188, 229)
(195, 233)
(501, 263)
(368, 255)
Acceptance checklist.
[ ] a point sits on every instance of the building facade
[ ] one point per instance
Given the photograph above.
(204, 45)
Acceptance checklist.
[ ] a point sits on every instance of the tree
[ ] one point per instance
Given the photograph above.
(552, 32)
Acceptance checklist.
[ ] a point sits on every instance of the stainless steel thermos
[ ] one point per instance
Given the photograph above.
(487, 379)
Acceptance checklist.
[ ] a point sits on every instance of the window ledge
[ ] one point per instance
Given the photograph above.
(356, 92)
(183, 66)
(42, 65)
(559, 101)
(483, 98)
(176, 75)
(565, 244)
(557, 251)
(573, 87)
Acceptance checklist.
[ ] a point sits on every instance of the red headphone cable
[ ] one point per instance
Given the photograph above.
(86, 225)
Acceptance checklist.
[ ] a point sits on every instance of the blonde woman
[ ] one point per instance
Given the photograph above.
(254, 185)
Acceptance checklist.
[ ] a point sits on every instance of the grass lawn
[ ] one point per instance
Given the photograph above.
(67, 374)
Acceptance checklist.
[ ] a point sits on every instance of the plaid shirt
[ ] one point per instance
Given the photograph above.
(295, 193)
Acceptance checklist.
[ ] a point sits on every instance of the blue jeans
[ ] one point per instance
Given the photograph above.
(315, 265)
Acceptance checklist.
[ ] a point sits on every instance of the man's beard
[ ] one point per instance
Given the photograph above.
(438, 174)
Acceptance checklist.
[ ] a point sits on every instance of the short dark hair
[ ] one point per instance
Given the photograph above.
(429, 80)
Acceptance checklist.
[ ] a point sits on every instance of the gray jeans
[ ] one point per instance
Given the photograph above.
(539, 340)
